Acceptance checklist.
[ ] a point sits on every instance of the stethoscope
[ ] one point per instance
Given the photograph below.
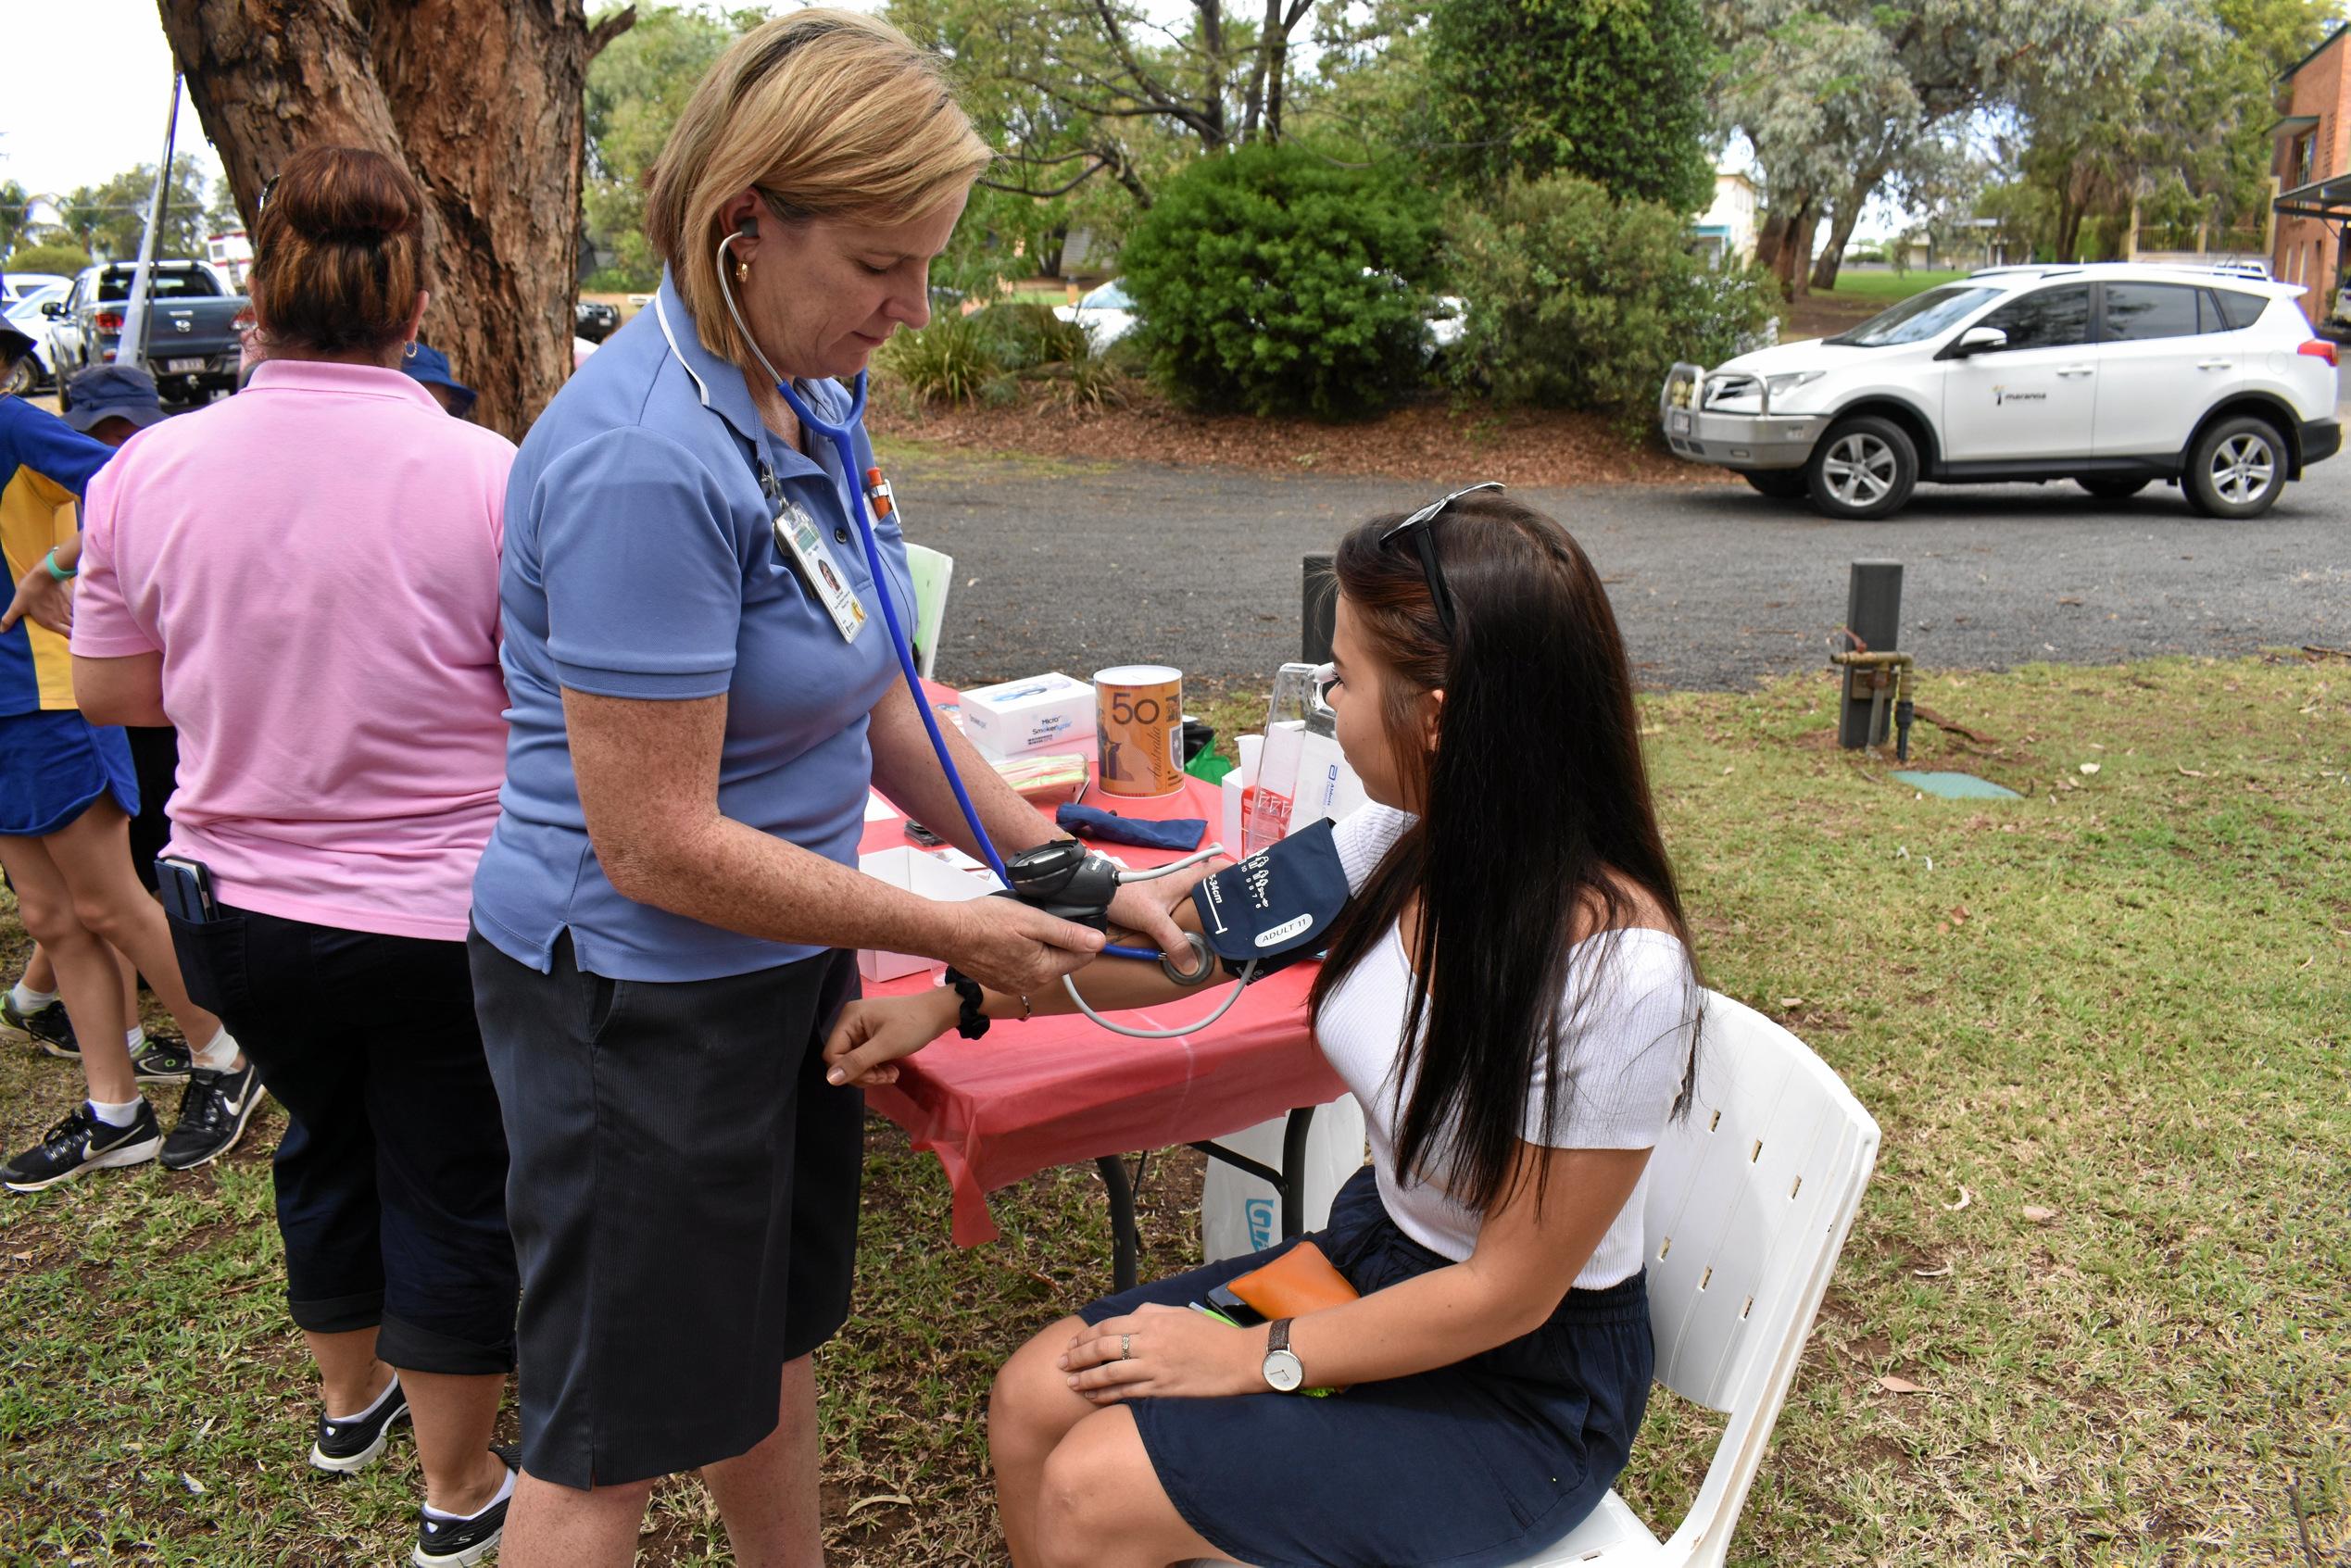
(1050, 869)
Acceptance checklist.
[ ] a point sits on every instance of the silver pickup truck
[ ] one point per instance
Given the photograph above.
(192, 342)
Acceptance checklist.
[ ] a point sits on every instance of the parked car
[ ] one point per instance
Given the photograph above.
(2113, 375)
(1105, 312)
(193, 344)
(595, 320)
(30, 373)
(15, 288)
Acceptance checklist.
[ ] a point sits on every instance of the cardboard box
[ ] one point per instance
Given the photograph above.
(1049, 712)
(925, 875)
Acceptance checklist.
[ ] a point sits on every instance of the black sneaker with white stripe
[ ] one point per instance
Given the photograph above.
(213, 1113)
(163, 1059)
(81, 1142)
(462, 1543)
(48, 1027)
(346, 1445)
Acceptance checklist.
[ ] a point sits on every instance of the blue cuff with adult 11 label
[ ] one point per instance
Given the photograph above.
(1276, 907)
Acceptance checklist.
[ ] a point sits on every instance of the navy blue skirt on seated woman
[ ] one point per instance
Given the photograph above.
(1473, 1466)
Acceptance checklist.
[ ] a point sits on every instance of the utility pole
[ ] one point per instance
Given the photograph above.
(132, 348)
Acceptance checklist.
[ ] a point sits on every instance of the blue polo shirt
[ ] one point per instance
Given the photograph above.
(641, 563)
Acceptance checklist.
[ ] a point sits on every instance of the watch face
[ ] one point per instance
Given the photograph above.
(1284, 1371)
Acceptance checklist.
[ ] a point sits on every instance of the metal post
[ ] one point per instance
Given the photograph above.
(1317, 610)
(1125, 1236)
(130, 349)
(1873, 613)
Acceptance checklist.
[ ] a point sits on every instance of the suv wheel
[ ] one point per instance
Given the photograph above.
(1865, 467)
(22, 376)
(1780, 484)
(2237, 468)
(2111, 487)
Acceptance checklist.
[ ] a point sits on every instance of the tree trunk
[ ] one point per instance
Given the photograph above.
(1771, 239)
(479, 99)
(1792, 258)
(1841, 223)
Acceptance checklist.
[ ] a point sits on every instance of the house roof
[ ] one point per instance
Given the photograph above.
(2324, 43)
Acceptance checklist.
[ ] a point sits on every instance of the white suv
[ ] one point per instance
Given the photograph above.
(2112, 375)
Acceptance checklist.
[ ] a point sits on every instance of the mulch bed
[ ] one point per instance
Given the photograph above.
(1435, 441)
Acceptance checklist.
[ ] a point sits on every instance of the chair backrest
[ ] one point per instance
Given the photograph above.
(1749, 1202)
(933, 575)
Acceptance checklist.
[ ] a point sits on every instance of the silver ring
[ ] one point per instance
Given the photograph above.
(1125, 1347)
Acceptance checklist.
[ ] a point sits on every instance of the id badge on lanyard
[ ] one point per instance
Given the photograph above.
(797, 537)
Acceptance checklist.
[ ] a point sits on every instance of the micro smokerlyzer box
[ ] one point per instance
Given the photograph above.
(1047, 712)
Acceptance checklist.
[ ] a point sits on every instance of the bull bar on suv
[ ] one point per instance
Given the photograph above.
(1727, 419)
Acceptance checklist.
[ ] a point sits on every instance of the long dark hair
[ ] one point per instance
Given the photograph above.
(1535, 794)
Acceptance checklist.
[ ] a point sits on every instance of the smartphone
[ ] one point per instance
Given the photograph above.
(185, 887)
(1233, 1307)
(922, 834)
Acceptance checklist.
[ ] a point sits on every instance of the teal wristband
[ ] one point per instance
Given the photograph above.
(60, 573)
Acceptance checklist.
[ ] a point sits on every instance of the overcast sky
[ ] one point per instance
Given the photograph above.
(85, 96)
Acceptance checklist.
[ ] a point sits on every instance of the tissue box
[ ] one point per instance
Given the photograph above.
(1049, 712)
(924, 875)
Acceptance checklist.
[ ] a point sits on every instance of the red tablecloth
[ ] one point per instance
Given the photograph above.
(1054, 1091)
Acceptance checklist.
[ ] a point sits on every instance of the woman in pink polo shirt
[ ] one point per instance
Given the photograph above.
(304, 579)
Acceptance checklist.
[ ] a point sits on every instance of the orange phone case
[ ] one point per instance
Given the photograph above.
(1301, 1281)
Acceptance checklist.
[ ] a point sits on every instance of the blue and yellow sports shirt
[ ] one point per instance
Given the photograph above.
(47, 463)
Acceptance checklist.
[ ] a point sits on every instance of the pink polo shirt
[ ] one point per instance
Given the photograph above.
(317, 561)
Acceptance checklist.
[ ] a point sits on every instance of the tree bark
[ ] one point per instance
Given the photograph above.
(1842, 222)
(1784, 247)
(480, 100)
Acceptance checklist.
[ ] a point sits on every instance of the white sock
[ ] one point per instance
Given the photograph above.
(506, 1490)
(116, 1115)
(220, 1055)
(135, 1036)
(390, 1389)
(27, 1000)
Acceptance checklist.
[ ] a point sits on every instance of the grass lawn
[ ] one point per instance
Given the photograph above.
(2094, 1310)
(1883, 286)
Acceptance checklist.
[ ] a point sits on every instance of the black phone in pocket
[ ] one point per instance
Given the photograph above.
(1233, 1307)
(185, 887)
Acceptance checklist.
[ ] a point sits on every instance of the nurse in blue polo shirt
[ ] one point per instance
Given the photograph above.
(664, 915)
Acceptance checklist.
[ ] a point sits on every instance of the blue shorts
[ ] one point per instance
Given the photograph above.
(1473, 1465)
(53, 764)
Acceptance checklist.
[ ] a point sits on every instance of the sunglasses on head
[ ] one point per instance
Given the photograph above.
(1420, 525)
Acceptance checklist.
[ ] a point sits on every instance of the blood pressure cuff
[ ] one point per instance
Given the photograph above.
(1277, 905)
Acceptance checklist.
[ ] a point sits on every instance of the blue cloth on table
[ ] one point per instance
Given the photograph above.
(1092, 821)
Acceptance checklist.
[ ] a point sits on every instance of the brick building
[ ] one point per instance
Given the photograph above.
(2313, 172)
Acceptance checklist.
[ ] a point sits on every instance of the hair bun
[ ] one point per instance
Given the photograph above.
(345, 195)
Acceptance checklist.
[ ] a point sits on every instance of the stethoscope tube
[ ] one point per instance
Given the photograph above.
(844, 447)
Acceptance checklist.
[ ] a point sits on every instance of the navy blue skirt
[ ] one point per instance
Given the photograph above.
(53, 764)
(1473, 1466)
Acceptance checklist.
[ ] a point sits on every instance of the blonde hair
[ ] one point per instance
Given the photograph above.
(829, 114)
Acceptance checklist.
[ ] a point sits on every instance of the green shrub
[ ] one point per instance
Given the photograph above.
(1027, 335)
(62, 261)
(1577, 300)
(948, 361)
(1276, 281)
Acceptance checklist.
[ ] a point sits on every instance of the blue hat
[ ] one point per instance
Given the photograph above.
(14, 344)
(431, 366)
(112, 391)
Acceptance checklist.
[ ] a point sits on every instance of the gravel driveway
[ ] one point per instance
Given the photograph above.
(1075, 568)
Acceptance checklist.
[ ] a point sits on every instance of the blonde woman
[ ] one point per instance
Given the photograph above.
(663, 915)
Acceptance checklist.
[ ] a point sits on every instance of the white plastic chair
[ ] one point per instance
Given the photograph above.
(1749, 1201)
(933, 575)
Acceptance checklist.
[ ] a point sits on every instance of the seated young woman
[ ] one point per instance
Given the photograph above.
(1508, 993)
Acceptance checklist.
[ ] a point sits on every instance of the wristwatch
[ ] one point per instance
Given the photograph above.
(1283, 1372)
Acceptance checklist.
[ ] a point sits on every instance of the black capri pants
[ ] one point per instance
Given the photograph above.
(683, 1194)
(391, 1177)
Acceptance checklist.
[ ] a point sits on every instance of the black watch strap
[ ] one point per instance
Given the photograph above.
(1278, 1336)
(970, 1022)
